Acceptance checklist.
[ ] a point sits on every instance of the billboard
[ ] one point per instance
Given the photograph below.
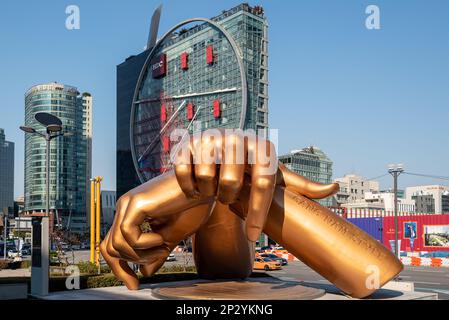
(418, 232)
(436, 236)
(410, 229)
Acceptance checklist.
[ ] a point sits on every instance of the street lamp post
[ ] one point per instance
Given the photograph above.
(395, 170)
(5, 226)
(40, 255)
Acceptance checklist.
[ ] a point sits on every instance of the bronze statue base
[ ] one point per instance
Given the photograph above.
(251, 289)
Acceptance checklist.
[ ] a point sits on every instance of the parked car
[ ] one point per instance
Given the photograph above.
(274, 257)
(266, 264)
(13, 253)
(25, 252)
(436, 254)
(85, 246)
(171, 257)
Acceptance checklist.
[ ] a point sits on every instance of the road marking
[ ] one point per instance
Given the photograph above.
(442, 291)
(423, 282)
(400, 276)
(431, 271)
(434, 290)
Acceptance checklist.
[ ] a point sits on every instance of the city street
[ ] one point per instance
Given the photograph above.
(425, 279)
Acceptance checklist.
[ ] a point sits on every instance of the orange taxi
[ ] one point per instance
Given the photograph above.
(266, 264)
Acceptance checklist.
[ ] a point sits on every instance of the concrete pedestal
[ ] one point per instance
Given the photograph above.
(202, 289)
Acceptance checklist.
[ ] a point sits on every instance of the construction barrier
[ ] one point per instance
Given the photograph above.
(436, 262)
(426, 261)
(282, 254)
(178, 249)
(429, 262)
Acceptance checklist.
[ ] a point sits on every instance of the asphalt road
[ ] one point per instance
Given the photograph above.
(425, 279)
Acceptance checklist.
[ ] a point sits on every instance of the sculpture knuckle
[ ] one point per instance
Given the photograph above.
(205, 174)
(117, 244)
(230, 183)
(126, 229)
(122, 201)
(264, 183)
(182, 170)
(103, 246)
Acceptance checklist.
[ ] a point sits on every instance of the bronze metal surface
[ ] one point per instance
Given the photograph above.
(227, 206)
(239, 290)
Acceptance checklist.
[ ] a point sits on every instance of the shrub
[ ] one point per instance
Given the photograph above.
(87, 267)
(24, 264)
(57, 282)
(4, 264)
(106, 280)
(176, 268)
(105, 269)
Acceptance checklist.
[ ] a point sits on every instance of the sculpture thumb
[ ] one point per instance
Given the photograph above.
(303, 186)
(336, 249)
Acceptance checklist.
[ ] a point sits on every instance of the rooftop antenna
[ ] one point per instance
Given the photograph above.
(154, 27)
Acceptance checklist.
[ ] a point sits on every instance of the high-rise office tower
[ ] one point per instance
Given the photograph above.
(127, 75)
(70, 157)
(311, 163)
(186, 50)
(6, 173)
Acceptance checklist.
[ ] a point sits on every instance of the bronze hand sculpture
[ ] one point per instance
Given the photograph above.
(225, 205)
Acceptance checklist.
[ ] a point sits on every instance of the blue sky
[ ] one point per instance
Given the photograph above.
(366, 97)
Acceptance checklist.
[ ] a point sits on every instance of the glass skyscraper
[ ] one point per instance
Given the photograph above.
(311, 163)
(127, 75)
(248, 27)
(6, 173)
(70, 157)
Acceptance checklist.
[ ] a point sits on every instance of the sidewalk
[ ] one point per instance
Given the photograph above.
(9, 273)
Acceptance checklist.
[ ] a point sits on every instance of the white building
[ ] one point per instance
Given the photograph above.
(353, 188)
(383, 201)
(387, 198)
(439, 193)
(86, 101)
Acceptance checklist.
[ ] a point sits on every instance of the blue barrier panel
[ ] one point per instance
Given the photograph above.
(373, 226)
